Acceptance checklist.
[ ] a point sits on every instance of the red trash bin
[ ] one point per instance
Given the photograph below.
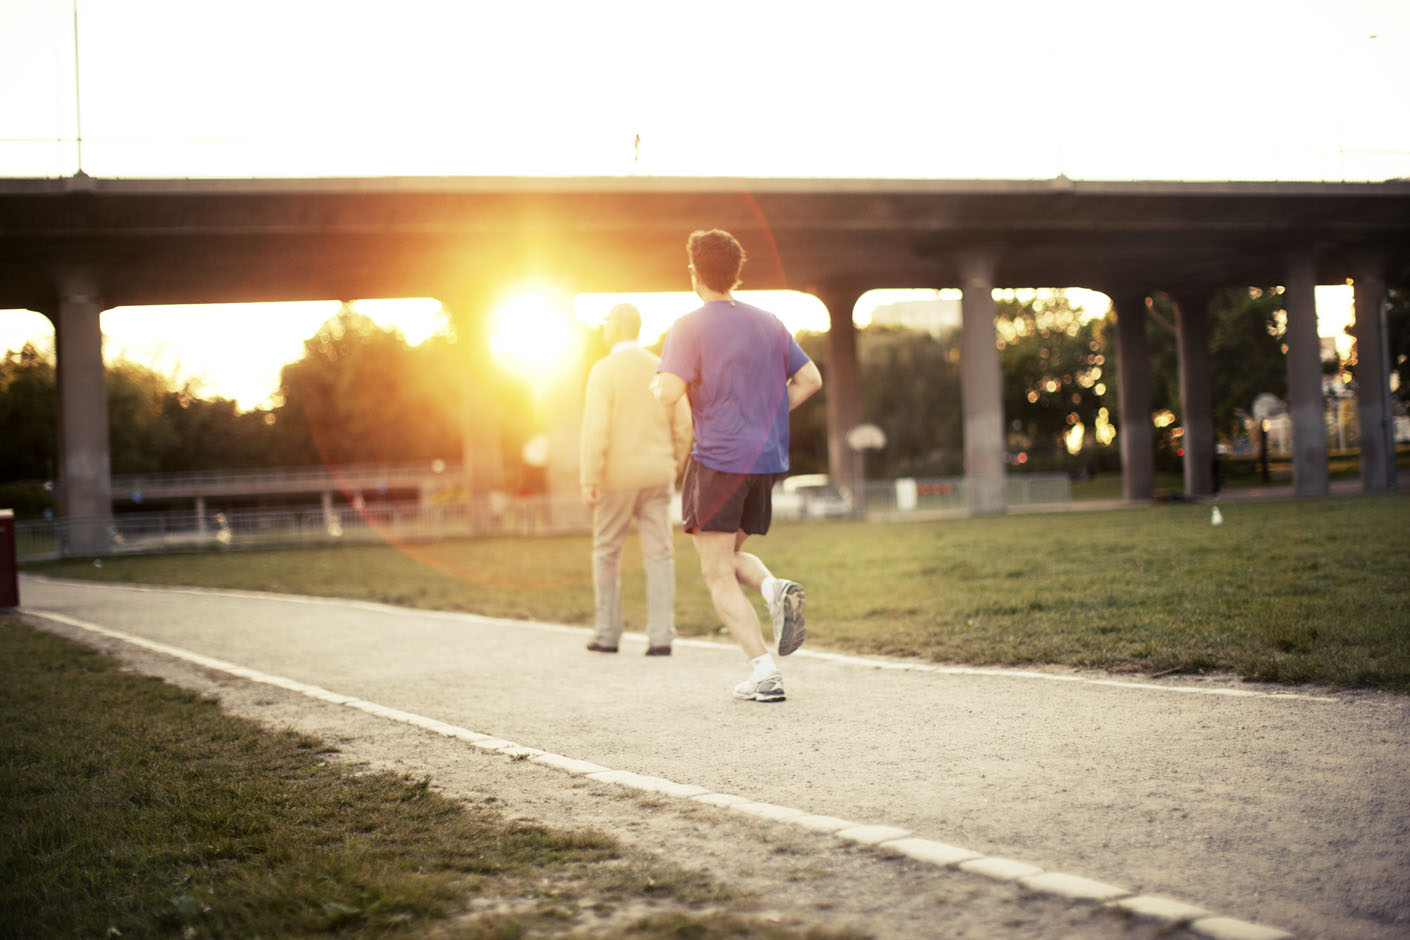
(9, 562)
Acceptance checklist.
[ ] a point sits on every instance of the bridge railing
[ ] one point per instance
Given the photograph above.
(286, 479)
(153, 533)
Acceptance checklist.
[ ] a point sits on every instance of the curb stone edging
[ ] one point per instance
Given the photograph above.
(1072, 886)
(1159, 907)
(1230, 928)
(872, 835)
(1000, 869)
(927, 850)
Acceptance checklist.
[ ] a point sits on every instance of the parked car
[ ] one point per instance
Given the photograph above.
(809, 496)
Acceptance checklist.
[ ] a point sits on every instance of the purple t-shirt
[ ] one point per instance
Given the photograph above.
(735, 360)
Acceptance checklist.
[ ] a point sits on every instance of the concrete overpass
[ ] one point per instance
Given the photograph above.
(70, 248)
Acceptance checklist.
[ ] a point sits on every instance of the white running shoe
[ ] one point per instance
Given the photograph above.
(767, 689)
(786, 612)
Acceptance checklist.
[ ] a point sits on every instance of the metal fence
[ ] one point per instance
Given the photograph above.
(421, 474)
(147, 533)
(950, 494)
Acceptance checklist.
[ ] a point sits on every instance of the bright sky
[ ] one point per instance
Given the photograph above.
(1255, 89)
(1092, 89)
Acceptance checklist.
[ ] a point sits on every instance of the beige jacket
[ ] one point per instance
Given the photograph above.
(629, 441)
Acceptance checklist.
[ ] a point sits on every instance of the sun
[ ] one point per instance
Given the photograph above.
(533, 337)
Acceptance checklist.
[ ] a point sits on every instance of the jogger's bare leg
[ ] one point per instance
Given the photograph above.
(719, 566)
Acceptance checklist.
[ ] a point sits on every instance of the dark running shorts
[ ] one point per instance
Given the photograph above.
(716, 501)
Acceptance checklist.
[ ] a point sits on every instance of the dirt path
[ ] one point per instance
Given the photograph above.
(1284, 809)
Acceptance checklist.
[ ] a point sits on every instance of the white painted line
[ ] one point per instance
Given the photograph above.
(887, 837)
(839, 658)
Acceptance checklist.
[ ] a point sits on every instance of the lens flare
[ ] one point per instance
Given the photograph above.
(533, 337)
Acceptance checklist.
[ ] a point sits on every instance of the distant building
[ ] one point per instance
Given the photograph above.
(935, 317)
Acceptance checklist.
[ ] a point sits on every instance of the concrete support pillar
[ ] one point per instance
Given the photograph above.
(1309, 425)
(563, 403)
(1196, 399)
(85, 477)
(981, 387)
(1134, 395)
(842, 386)
(481, 458)
(1373, 413)
(201, 515)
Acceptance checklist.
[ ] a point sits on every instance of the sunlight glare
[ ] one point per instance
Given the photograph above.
(797, 310)
(533, 337)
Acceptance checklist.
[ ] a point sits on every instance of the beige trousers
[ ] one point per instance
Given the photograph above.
(611, 521)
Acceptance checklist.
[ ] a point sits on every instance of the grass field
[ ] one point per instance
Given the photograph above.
(132, 808)
(1285, 591)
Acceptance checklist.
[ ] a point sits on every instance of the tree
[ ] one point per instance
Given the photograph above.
(1398, 341)
(1055, 372)
(910, 388)
(1246, 353)
(1246, 356)
(28, 416)
(215, 435)
(360, 394)
(139, 436)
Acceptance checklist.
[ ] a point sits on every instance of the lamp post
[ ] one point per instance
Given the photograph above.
(1265, 406)
(861, 439)
(77, 97)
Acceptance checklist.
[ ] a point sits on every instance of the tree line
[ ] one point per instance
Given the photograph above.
(361, 394)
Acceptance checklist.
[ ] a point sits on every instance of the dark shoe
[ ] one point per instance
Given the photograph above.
(658, 651)
(599, 648)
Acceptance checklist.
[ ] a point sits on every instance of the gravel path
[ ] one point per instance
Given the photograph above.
(1284, 807)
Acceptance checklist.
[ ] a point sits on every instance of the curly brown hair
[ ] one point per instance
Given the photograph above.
(717, 258)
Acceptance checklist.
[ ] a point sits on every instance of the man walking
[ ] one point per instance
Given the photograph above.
(743, 373)
(631, 450)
